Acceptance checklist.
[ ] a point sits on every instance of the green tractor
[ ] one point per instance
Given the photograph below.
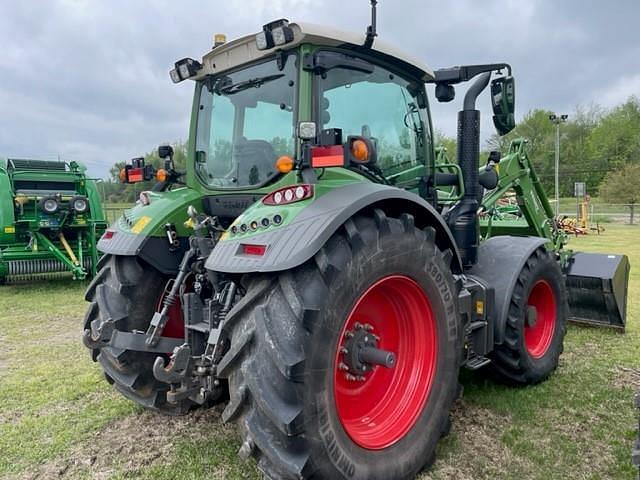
(304, 271)
(50, 218)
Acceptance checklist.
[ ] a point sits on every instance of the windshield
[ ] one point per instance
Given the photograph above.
(245, 122)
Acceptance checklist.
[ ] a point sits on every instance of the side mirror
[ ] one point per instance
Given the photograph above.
(503, 99)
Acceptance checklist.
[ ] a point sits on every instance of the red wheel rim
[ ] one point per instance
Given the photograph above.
(379, 410)
(174, 327)
(537, 338)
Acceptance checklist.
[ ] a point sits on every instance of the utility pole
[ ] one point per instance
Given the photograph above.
(557, 120)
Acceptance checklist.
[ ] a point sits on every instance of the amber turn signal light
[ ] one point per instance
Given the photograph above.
(360, 151)
(284, 164)
(161, 175)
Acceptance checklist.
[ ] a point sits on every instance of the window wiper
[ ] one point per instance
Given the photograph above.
(251, 83)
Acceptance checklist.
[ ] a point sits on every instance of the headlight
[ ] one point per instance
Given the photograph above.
(185, 68)
(49, 205)
(282, 35)
(79, 204)
(276, 33)
(175, 76)
(264, 40)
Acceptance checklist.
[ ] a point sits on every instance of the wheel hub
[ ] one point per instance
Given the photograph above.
(360, 353)
(385, 362)
(540, 319)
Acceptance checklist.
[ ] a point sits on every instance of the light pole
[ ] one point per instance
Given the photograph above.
(557, 120)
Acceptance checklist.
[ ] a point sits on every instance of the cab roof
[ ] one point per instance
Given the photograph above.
(244, 50)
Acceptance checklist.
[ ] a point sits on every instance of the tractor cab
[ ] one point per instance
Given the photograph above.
(252, 94)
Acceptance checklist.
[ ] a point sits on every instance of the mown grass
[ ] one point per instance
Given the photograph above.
(51, 396)
(59, 418)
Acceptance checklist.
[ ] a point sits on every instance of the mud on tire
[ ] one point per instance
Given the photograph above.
(284, 337)
(126, 291)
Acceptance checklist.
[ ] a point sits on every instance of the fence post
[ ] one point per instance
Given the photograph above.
(631, 207)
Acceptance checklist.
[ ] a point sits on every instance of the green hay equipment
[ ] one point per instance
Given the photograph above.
(312, 270)
(50, 217)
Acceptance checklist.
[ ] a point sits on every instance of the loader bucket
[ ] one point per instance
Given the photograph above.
(597, 289)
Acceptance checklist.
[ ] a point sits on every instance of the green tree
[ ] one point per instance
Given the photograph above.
(441, 140)
(623, 186)
(616, 140)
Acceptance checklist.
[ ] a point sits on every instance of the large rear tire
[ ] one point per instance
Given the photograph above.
(126, 291)
(298, 414)
(536, 323)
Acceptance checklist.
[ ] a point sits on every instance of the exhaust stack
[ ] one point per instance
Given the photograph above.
(463, 218)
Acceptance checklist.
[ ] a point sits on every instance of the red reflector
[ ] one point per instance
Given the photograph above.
(257, 250)
(327, 156)
(108, 235)
(135, 175)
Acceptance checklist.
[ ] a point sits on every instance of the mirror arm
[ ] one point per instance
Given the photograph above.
(465, 73)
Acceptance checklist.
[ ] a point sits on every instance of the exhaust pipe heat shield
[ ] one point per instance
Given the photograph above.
(597, 289)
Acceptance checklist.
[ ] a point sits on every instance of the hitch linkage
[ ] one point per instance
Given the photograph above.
(159, 319)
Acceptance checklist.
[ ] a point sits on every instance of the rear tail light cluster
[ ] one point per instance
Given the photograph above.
(286, 195)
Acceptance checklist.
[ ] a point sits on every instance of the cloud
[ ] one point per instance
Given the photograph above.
(621, 90)
(87, 80)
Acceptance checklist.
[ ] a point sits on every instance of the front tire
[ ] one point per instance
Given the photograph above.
(536, 323)
(298, 414)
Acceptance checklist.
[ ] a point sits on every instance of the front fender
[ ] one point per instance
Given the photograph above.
(500, 261)
(314, 222)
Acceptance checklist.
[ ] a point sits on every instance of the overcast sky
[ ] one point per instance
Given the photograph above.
(87, 80)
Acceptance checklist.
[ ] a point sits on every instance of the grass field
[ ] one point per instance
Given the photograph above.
(60, 419)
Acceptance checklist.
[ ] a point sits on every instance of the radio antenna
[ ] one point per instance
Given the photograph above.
(371, 29)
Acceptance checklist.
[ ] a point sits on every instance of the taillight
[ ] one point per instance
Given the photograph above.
(108, 235)
(256, 250)
(135, 175)
(286, 195)
(331, 156)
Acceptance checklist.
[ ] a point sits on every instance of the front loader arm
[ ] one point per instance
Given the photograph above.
(517, 173)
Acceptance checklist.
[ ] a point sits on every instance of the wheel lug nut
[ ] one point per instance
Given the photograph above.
(344, 350)
(349, 377)
(357, 325)
(360, 378)
(348, 334)
(343, 366)
(368, 327)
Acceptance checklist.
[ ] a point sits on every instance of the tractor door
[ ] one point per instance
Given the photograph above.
(387, 107)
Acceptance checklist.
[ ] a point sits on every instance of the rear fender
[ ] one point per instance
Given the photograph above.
(500, 260)
(296, 241)
(140, 231)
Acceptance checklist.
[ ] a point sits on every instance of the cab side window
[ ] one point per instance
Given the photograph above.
(379, 106)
